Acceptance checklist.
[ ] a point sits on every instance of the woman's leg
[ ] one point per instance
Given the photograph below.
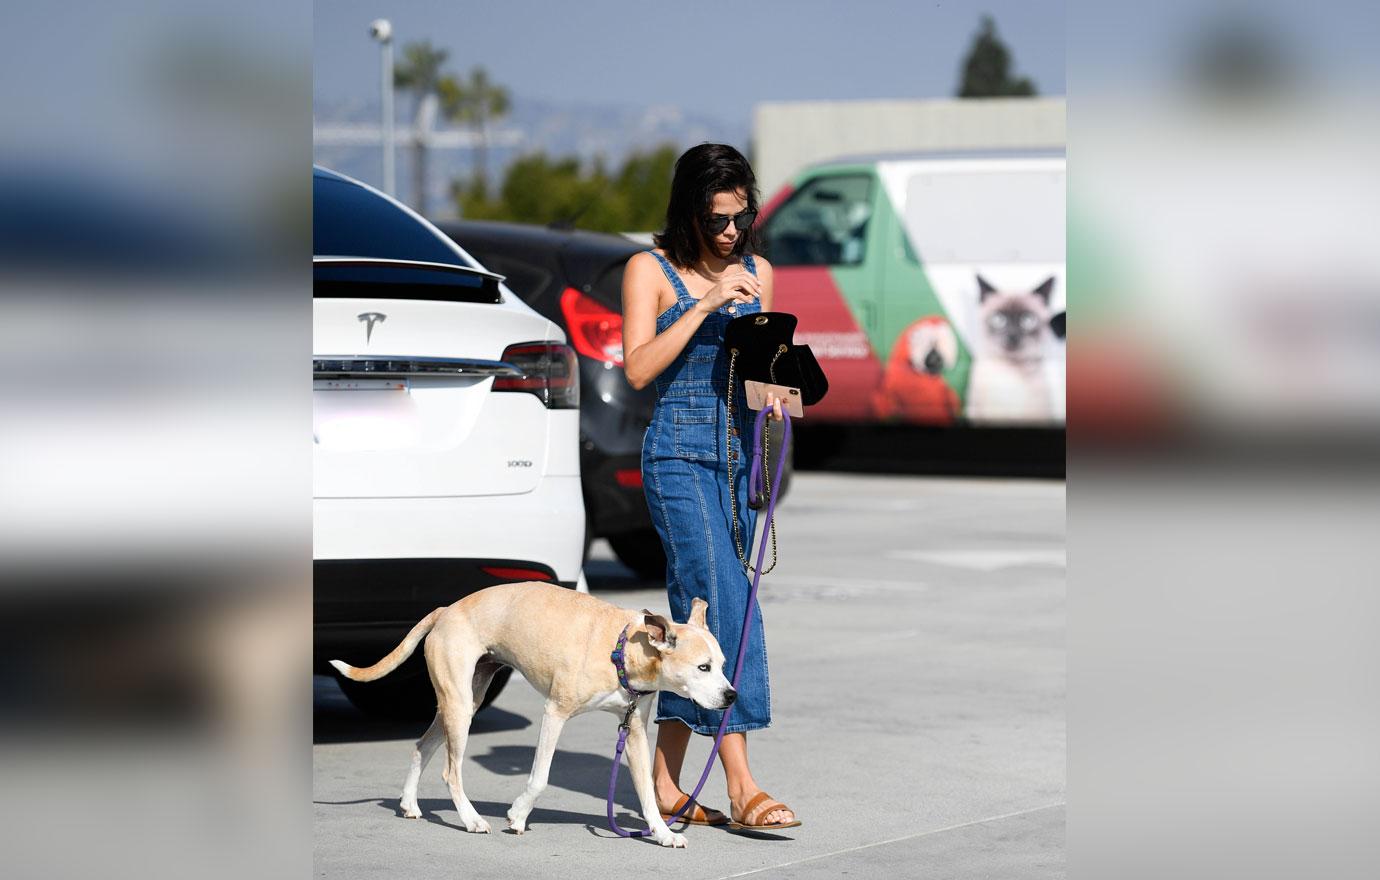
(741, 786)
(671, 739)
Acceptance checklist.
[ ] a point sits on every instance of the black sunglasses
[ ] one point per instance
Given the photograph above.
(716, 223)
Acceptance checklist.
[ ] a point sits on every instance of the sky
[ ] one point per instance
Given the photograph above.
(708, 57)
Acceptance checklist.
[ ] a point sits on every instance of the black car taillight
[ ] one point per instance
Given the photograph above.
(595, 330)
(549, 370)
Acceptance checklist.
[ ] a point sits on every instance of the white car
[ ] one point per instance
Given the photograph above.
(445, 432)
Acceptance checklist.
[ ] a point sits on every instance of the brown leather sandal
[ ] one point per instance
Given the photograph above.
(696, 815)
(760, 806)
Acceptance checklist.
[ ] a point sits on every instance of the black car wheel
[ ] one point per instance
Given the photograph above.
(642, 552)
(406, 694)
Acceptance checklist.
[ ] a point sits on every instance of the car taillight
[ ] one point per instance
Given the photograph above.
(595, 330)
(516, 574)
(549, 370)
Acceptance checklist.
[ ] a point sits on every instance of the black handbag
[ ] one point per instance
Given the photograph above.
(761, 349)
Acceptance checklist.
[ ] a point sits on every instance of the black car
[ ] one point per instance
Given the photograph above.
(575, 278)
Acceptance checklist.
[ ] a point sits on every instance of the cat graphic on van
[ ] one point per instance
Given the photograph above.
(1009, 382)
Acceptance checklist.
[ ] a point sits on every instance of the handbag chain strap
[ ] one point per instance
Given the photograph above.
(766, 458)
(780, 350)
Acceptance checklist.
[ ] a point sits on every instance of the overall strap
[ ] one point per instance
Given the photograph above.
(682, 292)
(751, 264)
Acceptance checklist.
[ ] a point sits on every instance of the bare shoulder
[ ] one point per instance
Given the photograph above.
(644, 283)
(643, 267)
(641, 261)
(762, 264)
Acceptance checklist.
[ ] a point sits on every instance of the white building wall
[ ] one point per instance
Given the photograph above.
(788, 136)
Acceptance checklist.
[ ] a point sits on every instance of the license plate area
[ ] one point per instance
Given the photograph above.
(403, 385)
(364, 415)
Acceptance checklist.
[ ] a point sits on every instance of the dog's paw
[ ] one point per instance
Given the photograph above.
(518, 824)
(477, 825)
(411, 811)
(670, 838)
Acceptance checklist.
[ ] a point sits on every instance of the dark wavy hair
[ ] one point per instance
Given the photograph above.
(702, 171)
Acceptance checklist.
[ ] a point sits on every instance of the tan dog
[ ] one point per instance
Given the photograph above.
(560, 641)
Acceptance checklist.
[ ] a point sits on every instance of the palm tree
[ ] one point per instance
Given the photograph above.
(474, 102)
(419, 72)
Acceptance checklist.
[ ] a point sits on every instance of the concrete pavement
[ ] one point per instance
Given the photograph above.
(915, 629)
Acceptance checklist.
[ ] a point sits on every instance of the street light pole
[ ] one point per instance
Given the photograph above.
(382, 31)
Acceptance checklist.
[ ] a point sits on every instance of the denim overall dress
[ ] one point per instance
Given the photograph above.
(685, 476)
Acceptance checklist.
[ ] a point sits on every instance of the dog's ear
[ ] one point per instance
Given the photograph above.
(659, 631)
(984, 289)
(698, 608)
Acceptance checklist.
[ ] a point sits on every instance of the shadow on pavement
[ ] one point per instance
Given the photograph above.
(628, 816)
(436, 811)
(580, 772)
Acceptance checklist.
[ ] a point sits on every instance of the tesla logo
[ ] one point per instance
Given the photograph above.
(370, 319)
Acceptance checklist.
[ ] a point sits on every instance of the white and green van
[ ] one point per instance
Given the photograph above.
(930, 286)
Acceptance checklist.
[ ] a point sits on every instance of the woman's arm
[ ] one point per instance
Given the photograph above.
(764, 272)
(645, 352)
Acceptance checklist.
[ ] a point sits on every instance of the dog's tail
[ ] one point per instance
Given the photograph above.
(395, 657)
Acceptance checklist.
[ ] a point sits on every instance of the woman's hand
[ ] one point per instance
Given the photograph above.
(775, 403)
(738, 285)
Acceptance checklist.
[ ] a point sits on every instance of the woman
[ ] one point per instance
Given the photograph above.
(677, 299)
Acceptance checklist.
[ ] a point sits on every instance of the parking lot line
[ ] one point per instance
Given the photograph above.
(915, 836)
(985, 559)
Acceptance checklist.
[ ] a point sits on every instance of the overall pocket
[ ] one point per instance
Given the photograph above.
(694, 431)
(704, 347)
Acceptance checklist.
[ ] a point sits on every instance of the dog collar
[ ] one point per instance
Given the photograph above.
(617, 658)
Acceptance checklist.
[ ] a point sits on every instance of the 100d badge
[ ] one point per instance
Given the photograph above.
(519, 462)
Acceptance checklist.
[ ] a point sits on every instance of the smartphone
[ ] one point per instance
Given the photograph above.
(790, 397)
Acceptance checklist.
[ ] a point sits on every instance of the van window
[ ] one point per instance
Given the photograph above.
(823, 224)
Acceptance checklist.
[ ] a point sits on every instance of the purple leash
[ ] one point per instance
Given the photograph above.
(754, 487)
